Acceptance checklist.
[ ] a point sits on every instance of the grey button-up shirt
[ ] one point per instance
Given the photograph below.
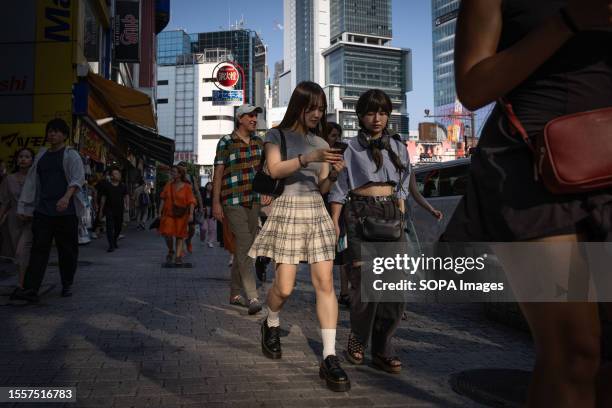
(361, 170)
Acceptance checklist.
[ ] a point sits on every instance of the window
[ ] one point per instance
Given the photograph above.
(207, 99)
(162, 82)
(164, 100)
(445, 182)
(220, 117)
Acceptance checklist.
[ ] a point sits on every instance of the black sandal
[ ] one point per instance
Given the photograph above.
(392, 365)
(344, 300)
(170, 257)
(355, 351)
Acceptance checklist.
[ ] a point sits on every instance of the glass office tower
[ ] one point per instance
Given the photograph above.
(170, 45)
(444, 13)
(368, 17)
(360, 58)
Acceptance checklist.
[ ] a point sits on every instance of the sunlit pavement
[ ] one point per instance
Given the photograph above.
(136, 334)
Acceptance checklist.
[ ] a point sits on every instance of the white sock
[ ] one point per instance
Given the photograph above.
(329, 342)
(273, 319)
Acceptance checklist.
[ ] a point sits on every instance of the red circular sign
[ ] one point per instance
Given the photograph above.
(228, 76)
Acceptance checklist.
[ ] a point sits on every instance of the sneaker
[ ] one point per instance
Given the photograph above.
(270, 341)
(333, 374)
(121, 236)
(28, 295)
(255, 306)
(237, 301)
(211, 245)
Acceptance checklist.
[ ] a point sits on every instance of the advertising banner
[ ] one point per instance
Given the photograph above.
(55, 35)
(227, 98)
(126, 38)
(15, 136)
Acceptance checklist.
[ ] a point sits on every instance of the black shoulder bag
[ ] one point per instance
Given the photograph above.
(263, 183)
(379, 229)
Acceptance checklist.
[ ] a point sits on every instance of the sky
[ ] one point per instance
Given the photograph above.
(412, 25)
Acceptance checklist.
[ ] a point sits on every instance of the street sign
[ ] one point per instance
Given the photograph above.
(227, 98)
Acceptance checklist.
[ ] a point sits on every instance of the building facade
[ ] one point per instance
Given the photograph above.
(446, 105)
(185, 109)
(248, 50)
(365, 17)
(360, 58)
(64, 61)
(279, 68)
(306, 36)
(172, 44)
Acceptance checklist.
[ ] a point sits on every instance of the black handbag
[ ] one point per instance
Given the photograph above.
(376, 229)
(263, 183)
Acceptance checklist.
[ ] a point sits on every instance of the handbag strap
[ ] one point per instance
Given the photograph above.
(517, 126)
(283, 148)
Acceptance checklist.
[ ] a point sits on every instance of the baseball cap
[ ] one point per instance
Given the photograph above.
(247, 109)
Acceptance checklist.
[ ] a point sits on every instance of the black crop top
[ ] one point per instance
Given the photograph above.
(576, 79)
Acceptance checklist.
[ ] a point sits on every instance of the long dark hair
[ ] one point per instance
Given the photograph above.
(376, 100)
(17, 153)
(304, 97)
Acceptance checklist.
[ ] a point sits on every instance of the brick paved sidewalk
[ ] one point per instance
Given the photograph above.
(137, 335)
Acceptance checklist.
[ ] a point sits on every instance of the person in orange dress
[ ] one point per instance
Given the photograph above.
(177, 204)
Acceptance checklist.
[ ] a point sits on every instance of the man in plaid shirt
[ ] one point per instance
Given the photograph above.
(234, 201)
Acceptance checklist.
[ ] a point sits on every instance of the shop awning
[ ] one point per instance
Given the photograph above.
(133, 123)
(146, 140)
(112, 99)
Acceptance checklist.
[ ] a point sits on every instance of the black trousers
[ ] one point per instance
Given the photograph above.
(45, 229)
(375, 321)
(114, 223)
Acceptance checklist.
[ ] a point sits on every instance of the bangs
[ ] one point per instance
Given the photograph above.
(315, 101)
(374, 101)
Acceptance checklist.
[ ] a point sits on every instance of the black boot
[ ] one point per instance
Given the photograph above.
(270, 341)
(334, 375)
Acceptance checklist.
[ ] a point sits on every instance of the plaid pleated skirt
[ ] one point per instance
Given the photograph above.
(298, 228)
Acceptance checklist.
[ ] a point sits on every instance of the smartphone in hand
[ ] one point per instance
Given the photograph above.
(340, 146)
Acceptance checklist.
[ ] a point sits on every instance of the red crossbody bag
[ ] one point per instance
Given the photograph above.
(574, 155)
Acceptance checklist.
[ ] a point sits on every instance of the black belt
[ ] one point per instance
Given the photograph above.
(370, 199)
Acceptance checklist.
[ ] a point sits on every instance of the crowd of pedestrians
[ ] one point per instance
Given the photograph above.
(539, 60)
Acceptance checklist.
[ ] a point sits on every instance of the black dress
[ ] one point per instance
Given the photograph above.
(504, 202)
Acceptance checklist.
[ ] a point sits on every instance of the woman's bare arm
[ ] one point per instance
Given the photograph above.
(484, 75)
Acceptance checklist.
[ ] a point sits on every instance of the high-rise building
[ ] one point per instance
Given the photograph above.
(172, 44)
(186, 65)
(306, 36)
(445, 13)
(344, 46)
(366, 17)
(279, 68)
(249, 51)
(184, 106)
(360, 58)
